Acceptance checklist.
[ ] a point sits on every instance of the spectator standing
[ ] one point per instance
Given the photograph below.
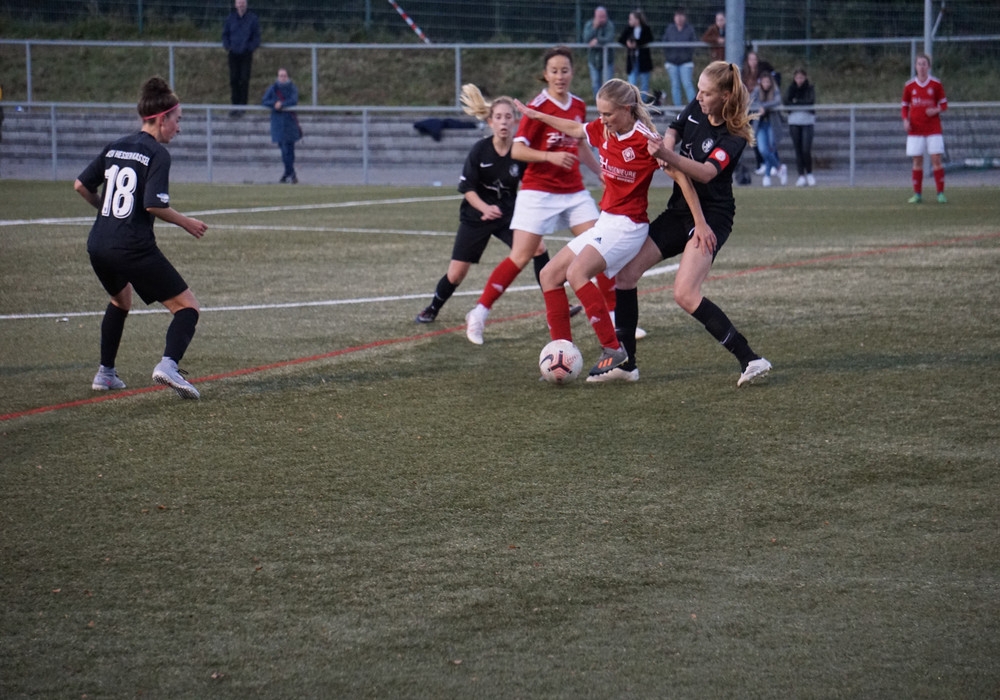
(636, 38)
(598, 33)
(765, 102)
(801, 125)
(715, 37)
(923, 102)
(679, 59)
(240, 38)
(285, 129)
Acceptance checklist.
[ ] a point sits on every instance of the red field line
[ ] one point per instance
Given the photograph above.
(395, 341)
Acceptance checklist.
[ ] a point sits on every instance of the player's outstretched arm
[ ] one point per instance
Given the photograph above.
(193, 226)
(567, 126)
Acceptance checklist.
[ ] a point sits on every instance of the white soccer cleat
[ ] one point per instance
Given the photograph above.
(754, 371)
(168, 374)
(475, 322)
(106, 379)
(616, 375)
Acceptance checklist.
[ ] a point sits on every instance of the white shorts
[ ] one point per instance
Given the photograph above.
(617, 238)
(919, 145)
(543, 213)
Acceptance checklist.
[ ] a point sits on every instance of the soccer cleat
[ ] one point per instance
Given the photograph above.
(574, 310)
(640, 333)
(754, 371)
(168, 374)
(767, 181)
(427, 315)
(475, 322)
(609, 360)
(941, 198)
(801, 182)
(915, 199)
(810, 180)
(783, 174)
(617, 374)
(107, 378)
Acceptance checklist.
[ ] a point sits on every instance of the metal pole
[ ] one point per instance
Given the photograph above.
(853, 143)
(315, 77)
(27, 62)
(55, 143)
(364, 145)
(458, 77)
(928, 28)
(735, 30)
(208, 141)
(170, 53)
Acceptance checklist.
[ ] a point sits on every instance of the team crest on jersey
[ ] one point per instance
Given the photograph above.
(706, 145)
(515, 169)
(628, 154)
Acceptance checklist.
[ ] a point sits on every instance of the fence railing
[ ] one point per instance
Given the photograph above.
(848, 136)
(456, 50)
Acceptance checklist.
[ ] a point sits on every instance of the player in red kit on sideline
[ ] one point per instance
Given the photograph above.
(923, 102)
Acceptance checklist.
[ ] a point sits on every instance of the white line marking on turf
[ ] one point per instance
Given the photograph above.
(652, 272)
(252, 210)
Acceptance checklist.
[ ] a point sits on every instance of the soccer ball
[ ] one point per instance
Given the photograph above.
(560, 362)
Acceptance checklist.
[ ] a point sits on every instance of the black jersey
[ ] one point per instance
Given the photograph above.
(135, 171)
(493, 177)
(700, 141)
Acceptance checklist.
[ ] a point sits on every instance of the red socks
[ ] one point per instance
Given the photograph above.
(918, 181)
(557, 314)
(597, 313)
(501, 277)
(939, 180)
(607, 286)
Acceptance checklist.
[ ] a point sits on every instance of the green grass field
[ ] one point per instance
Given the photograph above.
(363, 507)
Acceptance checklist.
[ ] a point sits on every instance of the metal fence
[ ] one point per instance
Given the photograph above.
(850, 138)
(555, 21)
(173, 48)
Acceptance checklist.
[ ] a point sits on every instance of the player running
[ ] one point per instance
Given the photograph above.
(711, 134)
(135, 172)
(552, 194)
(620, 134)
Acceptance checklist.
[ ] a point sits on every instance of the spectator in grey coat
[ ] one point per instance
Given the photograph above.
(679, 59)
(598, 33)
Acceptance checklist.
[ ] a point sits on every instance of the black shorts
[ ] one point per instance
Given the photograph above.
(672, 229)
(150, 273)
(471, 240)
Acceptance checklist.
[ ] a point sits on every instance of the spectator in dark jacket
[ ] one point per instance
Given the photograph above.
(285, 129)
(636, 38)
(240, 37)
(801, 125)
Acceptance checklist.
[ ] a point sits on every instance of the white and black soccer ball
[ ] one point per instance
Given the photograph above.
(560, 362)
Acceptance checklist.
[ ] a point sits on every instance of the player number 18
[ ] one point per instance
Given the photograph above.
(119, 194)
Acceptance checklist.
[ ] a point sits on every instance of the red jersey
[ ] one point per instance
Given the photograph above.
(628, 169)
(917, 97)
(548, 177)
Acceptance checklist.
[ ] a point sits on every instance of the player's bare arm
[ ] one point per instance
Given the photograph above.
(92, 197)
(193, 226)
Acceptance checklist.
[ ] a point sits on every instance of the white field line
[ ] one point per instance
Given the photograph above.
(66, 315)
(652, 272)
